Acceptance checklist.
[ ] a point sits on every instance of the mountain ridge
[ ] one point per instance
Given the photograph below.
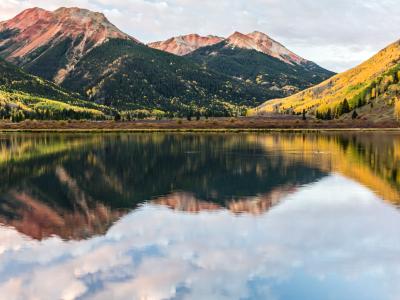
(272, 74)
(185, 44)
(256, 40)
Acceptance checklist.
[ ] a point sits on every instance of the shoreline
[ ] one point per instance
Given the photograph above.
(203, 130)
(217, 125)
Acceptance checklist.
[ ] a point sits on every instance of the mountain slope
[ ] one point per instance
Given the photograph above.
(372, 85)
(258, 59)
(49, 44)
(185, 44)
(83, 52)
(128, 75)
(25, 96)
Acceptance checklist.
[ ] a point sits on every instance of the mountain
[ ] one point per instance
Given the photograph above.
(22, 95)
(372, 89)
(83, 52)
(49, 44)
(185, 44)
(128, 75)
(258, 59)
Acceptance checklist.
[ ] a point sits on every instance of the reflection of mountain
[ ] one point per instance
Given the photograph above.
(372, 159)
(35, 218)
(81, 191)
(252, 205)
(186, 202)
(75, 186)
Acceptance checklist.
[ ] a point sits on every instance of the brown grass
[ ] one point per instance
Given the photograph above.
(217, 124)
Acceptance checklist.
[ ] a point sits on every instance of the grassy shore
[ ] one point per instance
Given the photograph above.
(217, 124)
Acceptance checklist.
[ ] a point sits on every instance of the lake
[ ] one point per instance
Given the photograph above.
(275, 216)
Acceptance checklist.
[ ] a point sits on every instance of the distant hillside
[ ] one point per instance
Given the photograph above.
(371, 89)
(128, 75)
(26, 96)
(256, 58)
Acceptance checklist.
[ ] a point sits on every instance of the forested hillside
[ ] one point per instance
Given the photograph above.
(131, 76)
(370, 90)
(25, 96)
(273, 76)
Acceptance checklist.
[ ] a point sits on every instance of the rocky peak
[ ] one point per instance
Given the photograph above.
(36, 28)
(37, 23)
(26, 18)
(185, 44)
(80, 15)
(240, 40)
(263, 43)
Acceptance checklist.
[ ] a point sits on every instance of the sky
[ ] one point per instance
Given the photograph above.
(337, 34)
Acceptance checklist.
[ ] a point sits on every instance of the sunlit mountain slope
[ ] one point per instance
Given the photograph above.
(373, 84)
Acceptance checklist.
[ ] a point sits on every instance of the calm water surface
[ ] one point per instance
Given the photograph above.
(190, 216)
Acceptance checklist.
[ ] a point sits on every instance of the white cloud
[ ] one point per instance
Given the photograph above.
(358, 26)
(334, 233)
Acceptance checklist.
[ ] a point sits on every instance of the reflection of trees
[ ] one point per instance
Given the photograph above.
(18, 148)
(30, 155)
(369, 158)
(95, 179)
(131, 169)
(77, 185)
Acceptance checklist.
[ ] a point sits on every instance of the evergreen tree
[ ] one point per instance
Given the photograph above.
(346, 107)
(117, 117)
(396, 77)
(360, 102)
(328, 114)
(339, 110)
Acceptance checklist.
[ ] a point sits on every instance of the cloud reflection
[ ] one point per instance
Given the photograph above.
(333, 239)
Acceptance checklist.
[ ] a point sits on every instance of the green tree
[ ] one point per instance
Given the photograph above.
(198, 115)
(346, 107)
(117, 117)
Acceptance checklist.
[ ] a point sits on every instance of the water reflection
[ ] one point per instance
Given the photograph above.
(245, 216)
(77, 186)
